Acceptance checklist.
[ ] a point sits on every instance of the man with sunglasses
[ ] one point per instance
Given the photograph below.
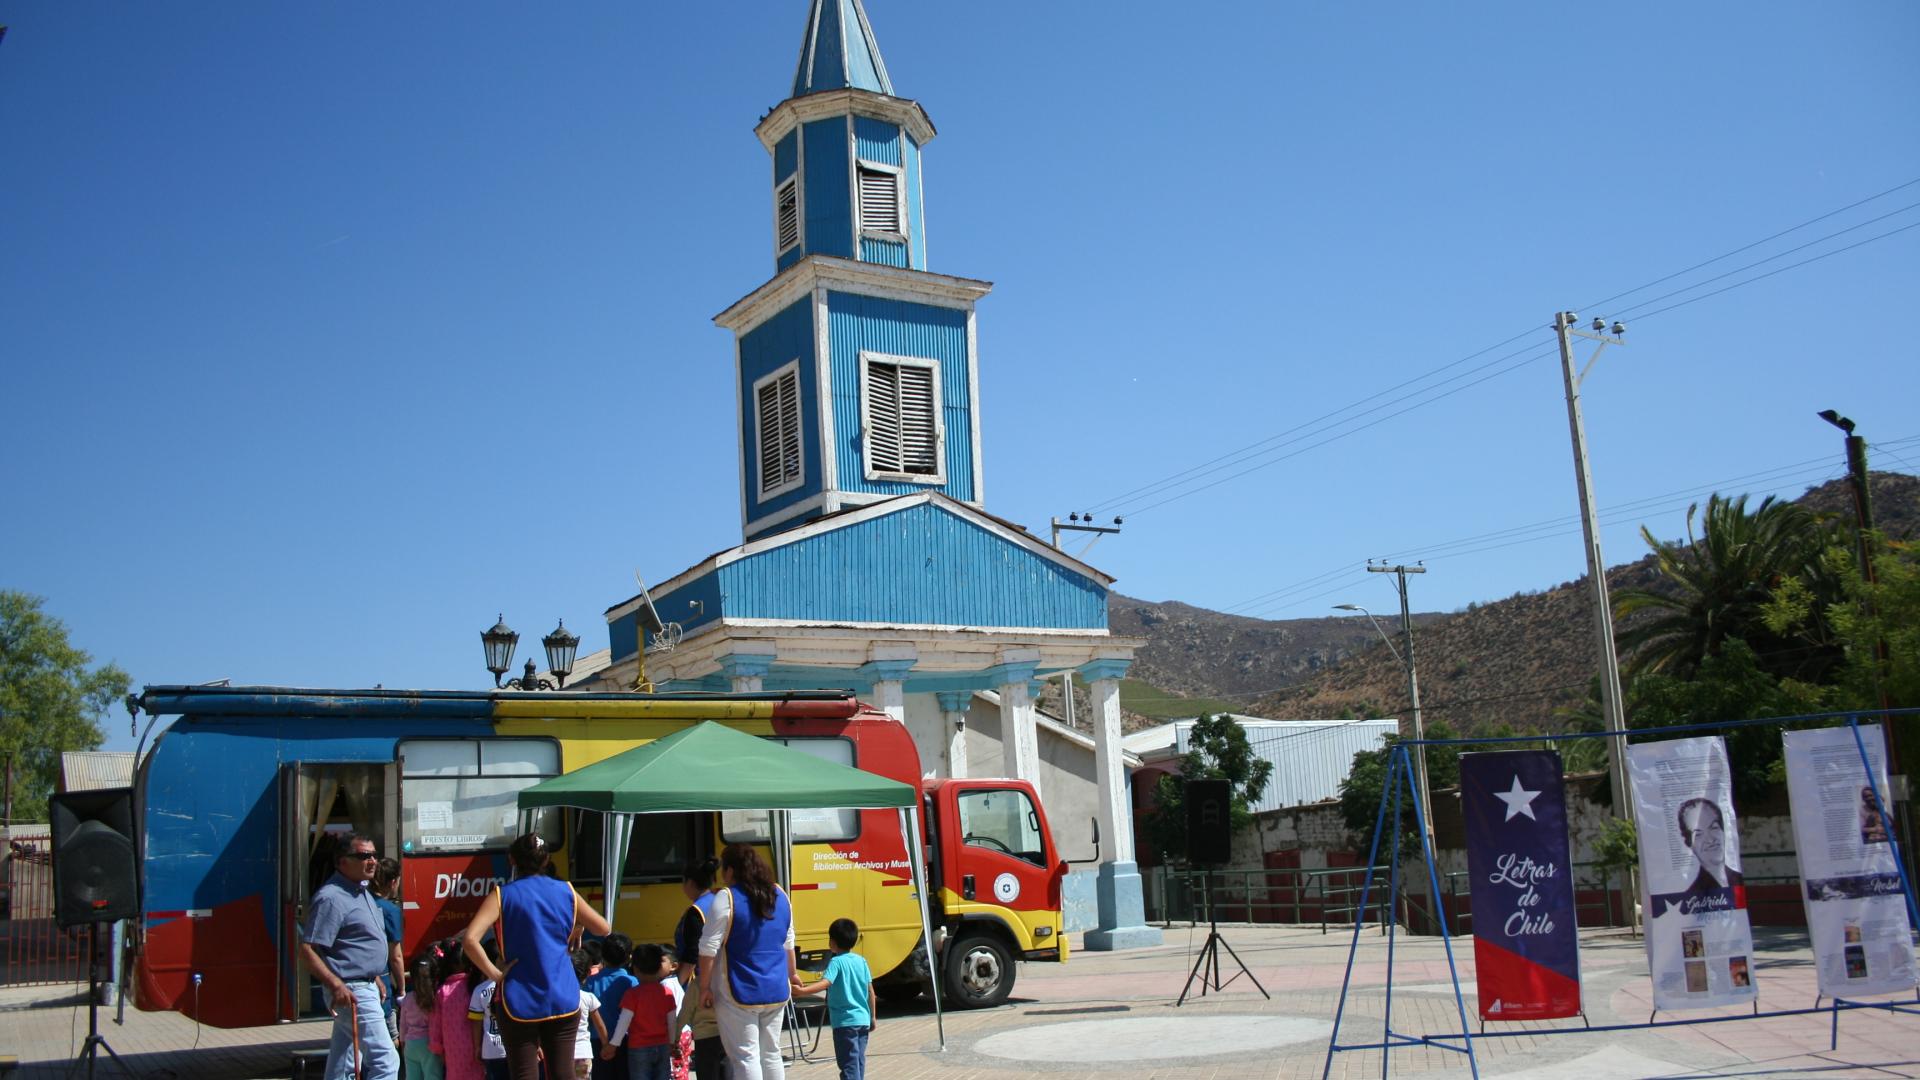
(344, 945)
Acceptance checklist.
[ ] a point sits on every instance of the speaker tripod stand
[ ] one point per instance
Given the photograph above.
(1206, 967)
(96, 1042)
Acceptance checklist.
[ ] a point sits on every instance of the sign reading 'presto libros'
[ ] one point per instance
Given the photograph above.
(1526, 945)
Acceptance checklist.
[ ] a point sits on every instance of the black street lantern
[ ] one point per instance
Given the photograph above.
(500, 643)
(560, 647)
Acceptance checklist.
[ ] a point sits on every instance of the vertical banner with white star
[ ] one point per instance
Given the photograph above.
(1526, 942)
(1699, 944)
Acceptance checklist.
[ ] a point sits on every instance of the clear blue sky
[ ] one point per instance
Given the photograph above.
(332, 331)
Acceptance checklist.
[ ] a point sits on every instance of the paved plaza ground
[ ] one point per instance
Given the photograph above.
(1112, 1015)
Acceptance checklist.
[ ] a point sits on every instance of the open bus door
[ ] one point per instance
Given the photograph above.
(321, 802)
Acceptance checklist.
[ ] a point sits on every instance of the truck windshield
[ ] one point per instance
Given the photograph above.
(1003, 820)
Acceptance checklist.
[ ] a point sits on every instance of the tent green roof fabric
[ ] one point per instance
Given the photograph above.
(713, 767)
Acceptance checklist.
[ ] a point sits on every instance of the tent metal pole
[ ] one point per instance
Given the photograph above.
(910, 826)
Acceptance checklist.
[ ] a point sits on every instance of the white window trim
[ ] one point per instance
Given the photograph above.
(939, 476)
(800, 217)
(791, 367)
(899, 200)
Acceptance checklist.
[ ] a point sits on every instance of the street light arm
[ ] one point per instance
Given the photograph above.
(1377, 627)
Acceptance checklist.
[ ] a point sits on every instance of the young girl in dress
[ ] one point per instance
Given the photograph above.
(416, 1010)
(449, 1032)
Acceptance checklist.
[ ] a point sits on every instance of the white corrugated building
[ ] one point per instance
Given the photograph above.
(1310, 757)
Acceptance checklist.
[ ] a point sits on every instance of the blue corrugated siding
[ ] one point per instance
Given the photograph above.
(876, 140)
(916, 213)
(902, 329)
(922, 564)
(786, 156)
(623, 636)
(884, 252)
(829, 203)
(769, 346)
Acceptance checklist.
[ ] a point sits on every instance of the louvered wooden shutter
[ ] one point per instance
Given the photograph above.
(787, 214)
(903, 434)
(879, 201)
(779, 431)
(918, 436)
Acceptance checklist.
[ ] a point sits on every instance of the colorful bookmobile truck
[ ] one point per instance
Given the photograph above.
(244, 791)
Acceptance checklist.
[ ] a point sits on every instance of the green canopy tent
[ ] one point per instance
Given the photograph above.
(712, 767)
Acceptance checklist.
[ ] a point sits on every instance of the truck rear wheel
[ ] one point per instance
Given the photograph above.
(979, 972)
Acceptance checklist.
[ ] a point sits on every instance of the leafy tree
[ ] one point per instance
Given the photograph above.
(1722, 581)
(1217, 749)
(1731, 685)
(50, 699)
(1360, 791)
(1862, 619)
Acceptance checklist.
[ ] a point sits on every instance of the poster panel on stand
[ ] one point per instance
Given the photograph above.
(1856, 907)
(1699, 943)
(1526, 940)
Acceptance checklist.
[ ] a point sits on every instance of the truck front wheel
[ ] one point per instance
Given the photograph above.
(979, 972)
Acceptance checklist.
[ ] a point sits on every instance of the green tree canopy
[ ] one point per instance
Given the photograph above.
(1217, 749)
(1720, 584)
(50, 700)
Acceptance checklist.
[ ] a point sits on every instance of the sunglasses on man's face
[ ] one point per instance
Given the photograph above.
(361, 856)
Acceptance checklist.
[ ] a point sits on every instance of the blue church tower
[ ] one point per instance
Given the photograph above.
(856, 364)
(867, 560)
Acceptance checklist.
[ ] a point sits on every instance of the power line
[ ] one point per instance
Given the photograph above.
(1644, 316)
(1333, 419)
(1756, 243)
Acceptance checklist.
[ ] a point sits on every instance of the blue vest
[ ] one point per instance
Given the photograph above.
(757, 951)
(687, 952)
(536, 916)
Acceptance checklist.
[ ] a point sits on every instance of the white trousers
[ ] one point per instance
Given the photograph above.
(752, 1039)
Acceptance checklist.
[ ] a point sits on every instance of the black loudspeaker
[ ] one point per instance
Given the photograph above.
(1209, 822)
(96, 874)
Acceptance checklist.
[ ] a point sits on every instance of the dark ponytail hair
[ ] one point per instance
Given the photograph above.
(751, 876)
(528, 854)
(699, 873)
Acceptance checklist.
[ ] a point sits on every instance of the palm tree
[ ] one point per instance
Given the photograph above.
(1719, 581)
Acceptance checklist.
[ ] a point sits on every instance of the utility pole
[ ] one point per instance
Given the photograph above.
(1419, 731)
(1072, 524)
(1863, 540)
(1612, 706)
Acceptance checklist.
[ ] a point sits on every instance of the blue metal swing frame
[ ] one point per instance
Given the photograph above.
(1401, 777)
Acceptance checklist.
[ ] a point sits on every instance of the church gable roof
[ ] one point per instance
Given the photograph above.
(913, 561)
(839, 51)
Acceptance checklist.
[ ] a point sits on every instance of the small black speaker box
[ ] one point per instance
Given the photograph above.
(96, 871)
(1209, 822)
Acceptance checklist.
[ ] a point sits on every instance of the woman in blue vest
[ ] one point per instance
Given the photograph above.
(536, 994)
(747, 966)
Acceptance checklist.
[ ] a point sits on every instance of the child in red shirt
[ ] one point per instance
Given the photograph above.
(647, 1018)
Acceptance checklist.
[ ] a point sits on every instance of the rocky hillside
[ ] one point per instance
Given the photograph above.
(1513, 661)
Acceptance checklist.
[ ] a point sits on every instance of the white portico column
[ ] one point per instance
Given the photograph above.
(1122, 905)
(954, 705)
(886, 668)
(747, 666)
(1019, 738)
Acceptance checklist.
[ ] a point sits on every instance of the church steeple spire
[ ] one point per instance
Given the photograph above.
(839, 51)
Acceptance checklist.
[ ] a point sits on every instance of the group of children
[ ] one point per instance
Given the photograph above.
(630, 996)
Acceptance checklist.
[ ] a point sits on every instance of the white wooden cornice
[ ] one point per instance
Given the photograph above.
(827, 104)
(849, 275)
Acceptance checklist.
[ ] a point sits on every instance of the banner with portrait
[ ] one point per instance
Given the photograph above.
(1856, 907)
(1526, 940)
(1699, 943)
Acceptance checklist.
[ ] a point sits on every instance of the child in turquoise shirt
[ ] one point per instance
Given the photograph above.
(848, 984)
